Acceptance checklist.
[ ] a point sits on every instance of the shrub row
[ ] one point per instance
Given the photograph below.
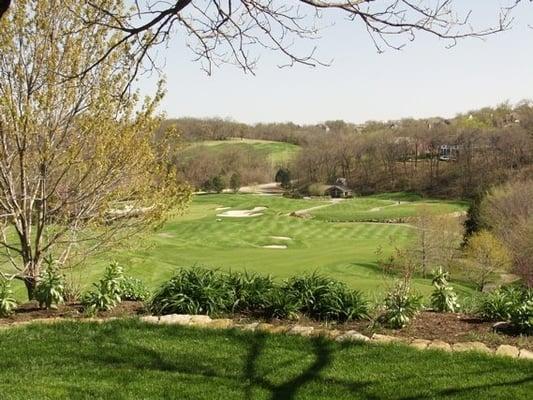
(205, 291)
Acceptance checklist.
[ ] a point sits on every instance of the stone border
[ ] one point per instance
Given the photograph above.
(205, 321)
(339, 336)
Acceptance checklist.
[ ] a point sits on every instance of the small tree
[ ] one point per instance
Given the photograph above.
(487, 256)
(79, 169)
(235, 182)
(217, 184)
(283, 176)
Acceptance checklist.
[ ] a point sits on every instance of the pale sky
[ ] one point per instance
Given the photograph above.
(425, 79)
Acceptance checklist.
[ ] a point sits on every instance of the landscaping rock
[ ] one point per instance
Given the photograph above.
(171, 319)
(439, 345)
(250, 327)
(270, 328)
(327, 333)
(526, 354)
(222, 323)
(301, 330)
(420, 344)
(508, 351)
(376, 337)
(471, 346)
(200, 320)
(352, 336)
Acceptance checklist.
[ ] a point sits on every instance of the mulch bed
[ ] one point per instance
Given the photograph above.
(449, 327)
(31, 311)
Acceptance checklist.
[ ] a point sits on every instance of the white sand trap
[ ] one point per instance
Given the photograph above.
(275, 246)
(222, 208)
(165, 235)
(255, 212)
(280, 238)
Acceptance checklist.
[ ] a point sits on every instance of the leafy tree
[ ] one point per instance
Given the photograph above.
(283, 176)
(78, 169)
(235, 182)
(218, 184)
(234, 31)
(487, 256)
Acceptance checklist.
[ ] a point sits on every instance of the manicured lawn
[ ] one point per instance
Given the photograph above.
(382, 209)
(129, 360)
(345, 251)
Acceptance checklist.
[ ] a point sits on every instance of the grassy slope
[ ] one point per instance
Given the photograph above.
(345, 251)
(127, 360)
(279, 153)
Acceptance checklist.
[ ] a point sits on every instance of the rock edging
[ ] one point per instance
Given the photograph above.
(339, 336)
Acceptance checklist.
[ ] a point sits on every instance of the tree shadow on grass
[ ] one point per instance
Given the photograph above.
(259, 373)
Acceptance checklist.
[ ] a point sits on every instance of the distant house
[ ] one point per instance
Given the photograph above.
(448, 152)
(339, 190)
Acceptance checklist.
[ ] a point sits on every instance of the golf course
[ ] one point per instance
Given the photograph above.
(256, 233)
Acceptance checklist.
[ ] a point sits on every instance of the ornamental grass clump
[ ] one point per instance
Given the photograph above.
(194, 291)
(326, 299)
(443, 298)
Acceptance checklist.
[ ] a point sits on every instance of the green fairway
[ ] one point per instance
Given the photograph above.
(345, 251)
(130, 360)
(279, 153)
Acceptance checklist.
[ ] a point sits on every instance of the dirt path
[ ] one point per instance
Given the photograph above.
(332, 202)
(376, 209)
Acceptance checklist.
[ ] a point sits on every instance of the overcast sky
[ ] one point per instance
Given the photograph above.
(425, 79)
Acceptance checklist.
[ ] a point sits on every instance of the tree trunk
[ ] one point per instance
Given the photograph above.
(31, 285)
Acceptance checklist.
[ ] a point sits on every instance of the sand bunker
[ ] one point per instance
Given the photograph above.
(275, 246)
(280, 238)
(222, 208)
(255, 212)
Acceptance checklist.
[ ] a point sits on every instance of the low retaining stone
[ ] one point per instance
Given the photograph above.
(420, 344)
(439, 345)
(352, 336)
(471, 346)
(526, 354)
(301, 330)
(508, 351)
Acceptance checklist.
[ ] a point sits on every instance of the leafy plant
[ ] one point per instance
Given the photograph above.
(443, 298)
(498, 305)
(250, 291)
(193, 291)
(8, 304)
(107, 292)
(401, 305)
(51, 288)
(325, 299)
(511, 304)
(282, 304)
(133, 289)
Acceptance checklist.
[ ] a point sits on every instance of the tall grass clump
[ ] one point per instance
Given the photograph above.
(194, 291)
(206, 291)
(326, 299)
(8, 304)
(401, 305)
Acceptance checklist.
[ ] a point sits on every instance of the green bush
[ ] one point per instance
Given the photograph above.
(194, 291)
(50, 290)
(133, 289)
(204, 291)
(107, 292)
(8, 304)
(498, 305)
(511, 304)
(281, 304)
(443, 298)
(401, 305)
(323, 298)
(250, 291)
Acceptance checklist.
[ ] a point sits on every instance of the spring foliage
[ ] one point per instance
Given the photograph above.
(78, 163)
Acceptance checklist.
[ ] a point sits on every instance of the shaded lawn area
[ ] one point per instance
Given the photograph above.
(130, 360)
